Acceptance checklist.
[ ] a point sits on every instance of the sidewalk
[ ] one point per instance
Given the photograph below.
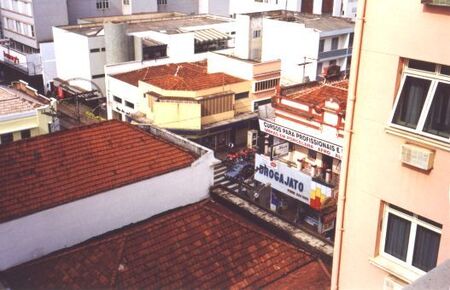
(295, 235)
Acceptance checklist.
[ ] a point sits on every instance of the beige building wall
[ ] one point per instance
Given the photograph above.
(392, 30)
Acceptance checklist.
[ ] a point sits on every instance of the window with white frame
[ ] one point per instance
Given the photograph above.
(162, 2)
(102, 4)
(126, 2)
(410, 239)
(256, 33)
(423, 102)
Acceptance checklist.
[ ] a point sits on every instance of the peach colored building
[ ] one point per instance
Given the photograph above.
(393, 210)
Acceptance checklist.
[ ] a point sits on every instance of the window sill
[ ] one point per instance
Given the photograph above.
(402, 272)
(418, 138)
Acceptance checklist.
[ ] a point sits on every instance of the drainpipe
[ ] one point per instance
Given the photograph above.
(359, 33)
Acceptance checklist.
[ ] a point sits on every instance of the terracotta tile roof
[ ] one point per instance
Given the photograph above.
(13, 101)
(178, 77)
(49, 170)
(201, 246)
(317, 95)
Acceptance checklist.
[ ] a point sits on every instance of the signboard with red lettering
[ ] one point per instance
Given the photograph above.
(305, 140)
(11, 58)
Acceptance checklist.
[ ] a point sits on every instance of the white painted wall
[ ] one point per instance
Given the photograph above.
(72, 56)
(231, 66)
(47, 52)
(124, 91)
(242, 37)
(36, 235)
(291, 46)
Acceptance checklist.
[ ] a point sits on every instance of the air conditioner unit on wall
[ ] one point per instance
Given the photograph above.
(392, 283)
(418, 157)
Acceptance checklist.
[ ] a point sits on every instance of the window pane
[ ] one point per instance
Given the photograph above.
(438, 120)
(445, 70)
(426, 249)
(422, 65)
(409, 107)
(397, 237)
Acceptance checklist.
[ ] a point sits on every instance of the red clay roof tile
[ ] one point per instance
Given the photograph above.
(201, 246)
(178, 77)
(49, 170)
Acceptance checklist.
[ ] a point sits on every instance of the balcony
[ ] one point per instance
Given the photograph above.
(335, 53)
(26, 63)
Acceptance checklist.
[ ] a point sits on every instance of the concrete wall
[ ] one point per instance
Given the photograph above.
(140, 6)
(184, 6)
(376, 174)
(87, 8)
(46, 17)
(48, 60)
(304, 44)
(35, 235)
(72, 56)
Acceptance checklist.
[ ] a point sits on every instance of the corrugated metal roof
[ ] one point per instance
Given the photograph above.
(209, 35)
(148, 42)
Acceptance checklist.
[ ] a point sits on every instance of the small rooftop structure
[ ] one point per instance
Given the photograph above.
(182, 76)
(200, 246)
(319, 22)
(318, 95)
(19, 98)
(50, 170)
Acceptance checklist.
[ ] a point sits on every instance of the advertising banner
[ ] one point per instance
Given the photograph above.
(305, 140)
(284, 179)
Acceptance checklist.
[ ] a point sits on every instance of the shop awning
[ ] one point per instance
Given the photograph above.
(209, 35)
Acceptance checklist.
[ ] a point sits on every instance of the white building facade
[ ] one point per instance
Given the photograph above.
(308, 45)
(343, 8)
(81, 51)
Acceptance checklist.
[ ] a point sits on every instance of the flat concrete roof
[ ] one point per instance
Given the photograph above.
(171, 24)
(319, 22)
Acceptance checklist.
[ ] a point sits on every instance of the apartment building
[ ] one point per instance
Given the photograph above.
(344, 8)
(308, 47)
(393, 223)
(24, 113)
(99, 8)
(82, 51)
(27, 51)
(26, 26)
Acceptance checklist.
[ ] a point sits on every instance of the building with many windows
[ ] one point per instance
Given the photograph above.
(27, 25)
(24, 113)
(344, 8)
(393, 221)
(311, 47)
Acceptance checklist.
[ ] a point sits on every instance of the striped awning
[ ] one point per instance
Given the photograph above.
(209, 35)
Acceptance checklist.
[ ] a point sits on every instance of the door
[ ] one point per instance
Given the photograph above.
(307, 6)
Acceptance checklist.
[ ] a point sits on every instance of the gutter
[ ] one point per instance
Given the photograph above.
(353, 84)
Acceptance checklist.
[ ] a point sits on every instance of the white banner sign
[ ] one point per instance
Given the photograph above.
(305, 140)
(289, 181)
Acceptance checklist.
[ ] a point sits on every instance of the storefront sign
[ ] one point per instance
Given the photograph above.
(280, 150)
(284, 179)
(305, 140)
(11, 58)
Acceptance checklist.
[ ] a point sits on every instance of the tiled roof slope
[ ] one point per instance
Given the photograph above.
(49, 170)
(178, 77)
(319, 94)
(13, 101)
(201, 246)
